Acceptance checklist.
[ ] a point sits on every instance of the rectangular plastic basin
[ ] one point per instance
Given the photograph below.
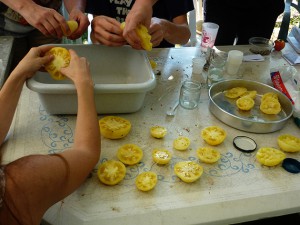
(122, 77)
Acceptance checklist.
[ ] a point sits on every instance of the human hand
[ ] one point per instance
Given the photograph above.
(78, 70)
(83, 23)
(140, 13)
(107, 31)
(156, 31)
(33, 61)
(46, 20)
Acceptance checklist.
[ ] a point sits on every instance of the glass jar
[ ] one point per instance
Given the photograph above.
(216, 69)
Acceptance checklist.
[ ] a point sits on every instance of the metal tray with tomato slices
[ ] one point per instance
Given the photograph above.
(254, 120)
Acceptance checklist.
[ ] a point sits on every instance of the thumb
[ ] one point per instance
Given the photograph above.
(46, 59)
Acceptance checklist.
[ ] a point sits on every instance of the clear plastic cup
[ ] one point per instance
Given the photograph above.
(209, 34)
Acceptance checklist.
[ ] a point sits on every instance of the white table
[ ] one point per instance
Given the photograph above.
(236, 189)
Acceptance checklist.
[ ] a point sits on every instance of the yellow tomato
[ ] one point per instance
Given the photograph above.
(61, 59)
(130, 154)
(289, 143)
(208, 155)
(181, 143)
(73, 25)
(269, 95)
(269, 156)
(143, 34)
(270, 106)
(235, 92)
(213, 135)
(146, 181)
(114, 127)
(161, 156)
(158, 131)
(251, 94)
(111, 172)
(245, 103)
(188, 171)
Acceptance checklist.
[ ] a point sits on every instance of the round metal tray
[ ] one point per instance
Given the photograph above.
(254, 120)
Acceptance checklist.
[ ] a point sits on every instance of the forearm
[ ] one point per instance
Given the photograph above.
(18, 5)
(9, 97)
(75, 4)
(176, 33)
(87, 134)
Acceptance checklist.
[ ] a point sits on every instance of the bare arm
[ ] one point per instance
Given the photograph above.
(10, 92)
(46, 20)
(36, 182)
(175, 32)
(76, 10)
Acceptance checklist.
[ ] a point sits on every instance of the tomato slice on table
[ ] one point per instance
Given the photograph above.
(111, 172)
(188, 171)
(130, 154)
(114, 127)
(146, 181)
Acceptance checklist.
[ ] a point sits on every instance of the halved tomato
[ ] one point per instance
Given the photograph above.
(235, 92)
(158, 131)
(208, 155)
(114, 127)
(146, 181)
(161, 156)
(188, 171)
(61, 59)
(213, 135)
(245, 103)
(289, 143)
(130, 154)
(270, 106)
(181, 143)
(111, 172)
(270, 156)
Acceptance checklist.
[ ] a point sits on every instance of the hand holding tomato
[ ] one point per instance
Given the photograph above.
(279, 44)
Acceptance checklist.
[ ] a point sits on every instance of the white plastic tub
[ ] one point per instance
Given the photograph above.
(122, 77)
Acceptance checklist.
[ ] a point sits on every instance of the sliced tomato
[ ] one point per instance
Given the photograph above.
(158, 131)
(289, 143)
(61, 59)
(114, 127)
(130, 154)
(161, 156)
(270, 156)
(111, 172)
(146, 181)
(213, 135)
(181, 143)
(208, 155)
(188, 171)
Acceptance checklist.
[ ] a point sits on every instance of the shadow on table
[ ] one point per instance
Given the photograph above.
(291, 219)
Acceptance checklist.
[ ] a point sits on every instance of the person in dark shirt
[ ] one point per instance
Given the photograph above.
(242, 19)
(169, 25)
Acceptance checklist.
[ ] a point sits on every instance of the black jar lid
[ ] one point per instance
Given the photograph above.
(291, 165)
(244, 144)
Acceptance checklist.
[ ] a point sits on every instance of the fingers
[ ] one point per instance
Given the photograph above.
(52, 24)
(83, 24)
